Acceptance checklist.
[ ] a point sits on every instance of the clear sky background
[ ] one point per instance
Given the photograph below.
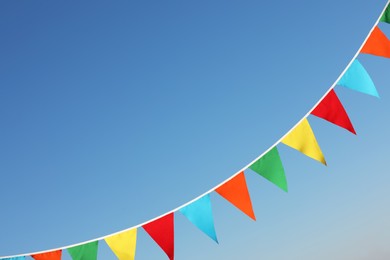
(114, 112)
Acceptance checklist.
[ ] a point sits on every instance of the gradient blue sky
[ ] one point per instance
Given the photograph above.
(114, 112)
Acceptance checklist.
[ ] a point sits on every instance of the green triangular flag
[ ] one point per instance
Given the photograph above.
(84, 252)
(386, 15)
(270, 167)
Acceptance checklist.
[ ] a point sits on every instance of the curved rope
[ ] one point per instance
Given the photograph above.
(231, 177)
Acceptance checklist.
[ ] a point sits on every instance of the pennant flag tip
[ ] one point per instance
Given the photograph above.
(375, 94)
(324, 162)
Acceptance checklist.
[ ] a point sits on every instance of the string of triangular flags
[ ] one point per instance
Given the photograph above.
(268, 165)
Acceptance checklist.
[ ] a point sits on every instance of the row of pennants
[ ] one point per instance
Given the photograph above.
(234, 190)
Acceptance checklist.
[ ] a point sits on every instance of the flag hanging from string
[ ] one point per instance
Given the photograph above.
(234, 189)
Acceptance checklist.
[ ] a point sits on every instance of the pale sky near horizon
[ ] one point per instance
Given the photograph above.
(114, 112)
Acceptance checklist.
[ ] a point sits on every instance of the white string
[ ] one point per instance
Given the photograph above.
(231, 177)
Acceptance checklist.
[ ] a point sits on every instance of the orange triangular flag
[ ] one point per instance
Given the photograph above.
(53, 255)
(236, 192)
(377, 44)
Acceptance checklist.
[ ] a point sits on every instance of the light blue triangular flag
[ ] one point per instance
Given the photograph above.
(200, 214)
(14, 258)
(357, 78)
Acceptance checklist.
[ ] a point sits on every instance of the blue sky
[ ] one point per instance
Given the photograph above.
(114, 112)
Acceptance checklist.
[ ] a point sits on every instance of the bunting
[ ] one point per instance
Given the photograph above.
(302, 139)
(236, 192)
(123, 244)
(333, 111)
(270, 167)
(377, 44)
(161, 231)
(357, 78)
(84, 252)
(53, 255)
(200, 214)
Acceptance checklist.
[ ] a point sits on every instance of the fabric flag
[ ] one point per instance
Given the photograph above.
(236, 192)
(162, 232)
(377, 44)
(302, 139)
(386, 15)
(53, 255)
(331, 109)
(84, 252)
(357, 78)
(270, 167)
(123, 244)
(200, 214)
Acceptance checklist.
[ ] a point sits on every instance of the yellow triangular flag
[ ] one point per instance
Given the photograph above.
(123, 244)
(302, 139)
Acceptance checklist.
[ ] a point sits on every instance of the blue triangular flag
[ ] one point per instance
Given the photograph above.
(14, 258)
(200, 214)
(357, 78)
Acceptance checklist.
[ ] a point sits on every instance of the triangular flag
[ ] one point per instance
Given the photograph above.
(84, 252)
(377, 44)
(302, 139)
(53, 255)
(14, 258)
(162, 232)
(357, 78)
(386, 15)
(331, 109)
(200, 214)
(270, 167)
(236, 192)
(123, 244)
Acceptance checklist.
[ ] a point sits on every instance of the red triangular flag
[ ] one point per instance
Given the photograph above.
(333, 111)
(236, 192)
(161, 230)
(53, 255)
(377, 44)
